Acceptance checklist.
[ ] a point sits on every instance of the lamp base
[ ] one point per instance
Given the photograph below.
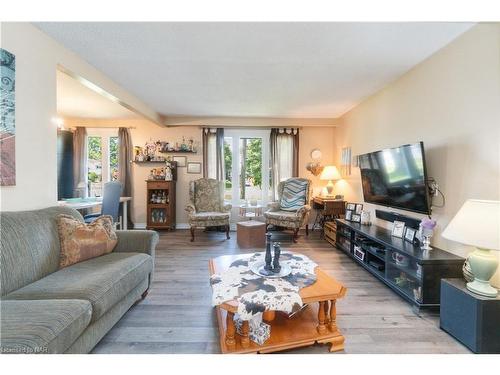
(329, 189)
(483, 265)
(482, 288)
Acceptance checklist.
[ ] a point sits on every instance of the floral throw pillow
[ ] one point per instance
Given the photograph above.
(81, 241)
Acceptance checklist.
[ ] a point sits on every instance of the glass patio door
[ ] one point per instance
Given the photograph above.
(246, 156)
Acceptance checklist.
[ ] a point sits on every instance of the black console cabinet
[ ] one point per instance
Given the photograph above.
(411, 272)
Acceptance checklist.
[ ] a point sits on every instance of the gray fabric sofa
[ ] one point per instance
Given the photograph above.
(45, 309)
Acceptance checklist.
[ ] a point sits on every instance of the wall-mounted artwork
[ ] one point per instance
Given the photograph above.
(7, 118)
(345, 162)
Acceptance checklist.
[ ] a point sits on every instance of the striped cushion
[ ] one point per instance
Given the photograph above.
(294, 195)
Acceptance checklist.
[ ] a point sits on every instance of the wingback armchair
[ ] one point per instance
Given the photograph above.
(291, 210)
(207, 207)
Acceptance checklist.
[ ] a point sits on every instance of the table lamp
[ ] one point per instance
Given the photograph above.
(477, 224)
(330, 173)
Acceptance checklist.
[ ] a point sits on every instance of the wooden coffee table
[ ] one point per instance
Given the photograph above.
(314, 324)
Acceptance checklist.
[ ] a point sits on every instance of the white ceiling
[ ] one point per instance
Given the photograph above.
(76, 100)
(253, 69)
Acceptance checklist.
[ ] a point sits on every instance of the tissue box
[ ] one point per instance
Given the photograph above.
(258, 333)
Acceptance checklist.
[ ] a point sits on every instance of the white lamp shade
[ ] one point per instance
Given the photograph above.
(477, 224)
(330, 172)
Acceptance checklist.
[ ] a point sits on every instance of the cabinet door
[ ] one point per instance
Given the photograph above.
(405, 274)
(158, 216)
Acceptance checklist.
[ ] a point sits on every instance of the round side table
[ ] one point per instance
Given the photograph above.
(249, 212)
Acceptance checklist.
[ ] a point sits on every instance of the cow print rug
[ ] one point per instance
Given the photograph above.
(256, 294)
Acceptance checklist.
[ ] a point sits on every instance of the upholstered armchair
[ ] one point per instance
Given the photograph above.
(207, 207)
(291, 210)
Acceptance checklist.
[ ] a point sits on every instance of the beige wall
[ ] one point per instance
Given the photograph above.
(143, 130)
(37, 57)
(451, 102)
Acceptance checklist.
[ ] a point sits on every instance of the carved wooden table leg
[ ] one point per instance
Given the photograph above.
(230, 330)
(321, 318)
(327, 315)
(333, 316)
(245, 340)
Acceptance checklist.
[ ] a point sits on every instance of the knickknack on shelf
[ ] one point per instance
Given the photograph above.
(153, 151)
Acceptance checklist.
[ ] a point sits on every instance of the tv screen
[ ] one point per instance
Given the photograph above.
(396, 177)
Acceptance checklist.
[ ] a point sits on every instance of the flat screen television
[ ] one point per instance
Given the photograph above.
(396, 177)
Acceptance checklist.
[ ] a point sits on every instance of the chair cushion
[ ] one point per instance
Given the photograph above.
(282, 215)
(208, 216)
(103, 281)
(42, 326)
(81, 241)
(294, 195)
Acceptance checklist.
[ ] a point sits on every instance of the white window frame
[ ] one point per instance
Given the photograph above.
(105, 134)
(236, 135)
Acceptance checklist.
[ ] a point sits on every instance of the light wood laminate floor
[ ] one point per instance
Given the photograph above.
(176, 316)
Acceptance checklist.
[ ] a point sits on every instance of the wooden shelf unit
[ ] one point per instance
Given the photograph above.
(424, 270)
(160, 215)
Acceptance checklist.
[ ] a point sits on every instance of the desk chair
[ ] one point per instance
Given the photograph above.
(110, 202)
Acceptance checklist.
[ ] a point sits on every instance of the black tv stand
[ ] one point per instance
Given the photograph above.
(416, 276)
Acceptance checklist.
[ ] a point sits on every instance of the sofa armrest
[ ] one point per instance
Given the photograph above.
(140, 241)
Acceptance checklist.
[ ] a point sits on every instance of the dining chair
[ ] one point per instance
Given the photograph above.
(110, 202)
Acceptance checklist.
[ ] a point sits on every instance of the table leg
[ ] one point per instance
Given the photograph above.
(230, 330)
(245, 340)
(327, 315)
(125, 215)
(321, 318)
(333, 315)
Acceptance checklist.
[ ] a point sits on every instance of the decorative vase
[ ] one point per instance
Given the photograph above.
(426, 239)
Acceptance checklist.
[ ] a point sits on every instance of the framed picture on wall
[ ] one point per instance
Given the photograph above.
(180, 160)
(194, 168)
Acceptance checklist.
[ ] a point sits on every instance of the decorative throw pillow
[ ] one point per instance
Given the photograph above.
(294, 195)
(80, 241)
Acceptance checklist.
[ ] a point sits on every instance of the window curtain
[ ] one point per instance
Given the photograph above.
(284, 150)
(80, 162)
(213, 153)
(124, 167)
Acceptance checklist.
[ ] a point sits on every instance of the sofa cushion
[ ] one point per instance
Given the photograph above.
(294, 194)
(30, 246)
(103, 281)
(42, 326)
(82, 241)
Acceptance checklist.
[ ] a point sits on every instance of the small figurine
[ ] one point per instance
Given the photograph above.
(276, 259)
(268, 258)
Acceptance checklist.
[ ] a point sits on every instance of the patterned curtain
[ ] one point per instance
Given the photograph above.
(80, 162)
(284, 150)
(213, 153)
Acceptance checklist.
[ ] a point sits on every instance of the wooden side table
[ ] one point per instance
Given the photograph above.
(327, 209)
(249, 211)
(251, 234)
